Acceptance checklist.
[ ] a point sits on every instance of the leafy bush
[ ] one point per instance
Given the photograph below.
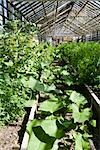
(16, 48)
(84, 58)
(20, 58)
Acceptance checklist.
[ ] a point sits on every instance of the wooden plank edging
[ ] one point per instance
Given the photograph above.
(25, 141)
(32, 114)
(93, 95)
(26, 135)
(96, 103)
(92, 145)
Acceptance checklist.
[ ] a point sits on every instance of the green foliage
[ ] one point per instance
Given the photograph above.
(34, 84)
(80, 142)
(61, 72)
(16, 49)
(79, 113)
(48, 125)
(84, 58)
(51, 105)
(27, 69)
(37, 134)
(78, 99)
(18, 26)
(21, 62)
(80, 116)
(55, 125)
(44, 133)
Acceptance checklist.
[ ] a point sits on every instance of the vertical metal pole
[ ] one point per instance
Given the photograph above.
(7, 10)
(2, 2)
(97, 35)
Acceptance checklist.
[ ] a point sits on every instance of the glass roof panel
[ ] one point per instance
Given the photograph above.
(77, 15)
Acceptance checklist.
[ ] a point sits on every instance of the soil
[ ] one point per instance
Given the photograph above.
(9, 136)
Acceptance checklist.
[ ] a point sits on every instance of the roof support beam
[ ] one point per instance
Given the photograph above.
(51, 14)
(70, 22)
(83, 6)
(69, 11)
(27, 8)
(60, 19)
(25, 3)
(69, 27)
(45, 14)
(51, 20)
(89, 21)
(46, 7)
(26, 11)
(16, 9)
(76, 33)
(50, 30)
(18, 3)
(55, 15)
(74, 26)
(57, 21)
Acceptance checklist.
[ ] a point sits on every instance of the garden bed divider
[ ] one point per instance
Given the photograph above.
(26, 135)
(92, 145)
(95, 101)
(93, 95)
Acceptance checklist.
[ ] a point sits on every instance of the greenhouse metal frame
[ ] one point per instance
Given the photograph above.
(73, 18)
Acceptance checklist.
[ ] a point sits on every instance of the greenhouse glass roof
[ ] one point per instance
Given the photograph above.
(61, 17)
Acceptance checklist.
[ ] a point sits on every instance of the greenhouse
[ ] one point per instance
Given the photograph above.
(49, 75)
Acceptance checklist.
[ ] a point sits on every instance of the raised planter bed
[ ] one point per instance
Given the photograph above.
(25, 140)
(34, 114)
(95, 103)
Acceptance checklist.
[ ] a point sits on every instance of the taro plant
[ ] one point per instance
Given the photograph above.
(48, 132)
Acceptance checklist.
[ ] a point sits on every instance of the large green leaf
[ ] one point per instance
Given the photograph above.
(9, 64)
(43, 134)
(55, 145)
(67, 124)
(30, 103)
(78, 98)
(65, 73)
(31, 124)
(75, 112)
(93, 123)
(85, 115)
(80, 116)
(51, 105)
(78, 141)
(37, 85)
(85, 144)
(39, 140)
(49, 88)
(49, 126)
